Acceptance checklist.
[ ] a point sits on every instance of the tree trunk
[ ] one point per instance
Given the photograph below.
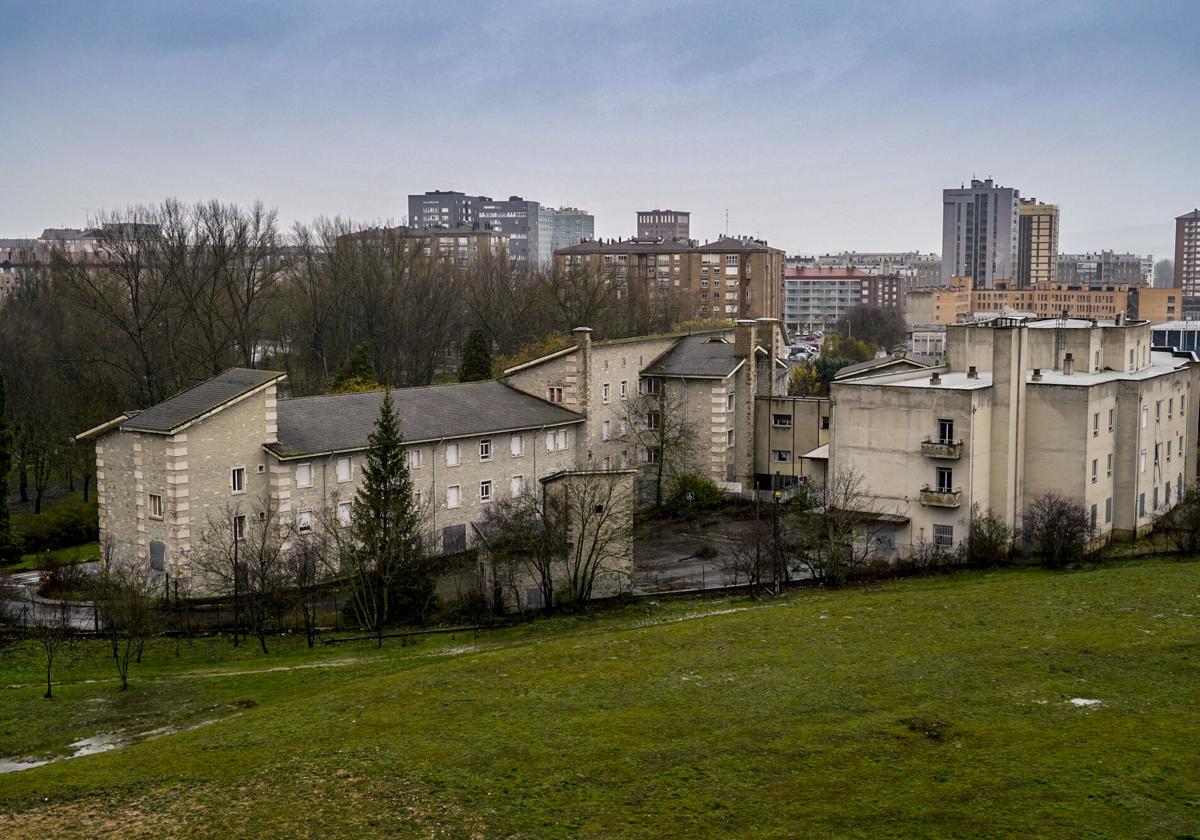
(23, 482)
(87, 484)
(49, 687)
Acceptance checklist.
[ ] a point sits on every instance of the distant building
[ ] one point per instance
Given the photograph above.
(730, 278)
(1187, 253)
(515, 217)
(814, 298)
(1105, 267)
(668, 225)
(979, 233)
(1037, 243)
(561, 228)
(916, 268)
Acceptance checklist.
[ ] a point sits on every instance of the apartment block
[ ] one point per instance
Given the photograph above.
(815, 297)
(560, 228)
(729, 278)
(1104, 268)
(515, 217)
(667, 225)
(914, 267)
(1187, 253)
(1037, 243)
(980, 233)
(1021, 408)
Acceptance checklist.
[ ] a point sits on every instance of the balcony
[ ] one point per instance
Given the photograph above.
(947, 449)
(941, 498)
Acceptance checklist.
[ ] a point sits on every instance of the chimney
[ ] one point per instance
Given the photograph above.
(935, 378)
(972, 372)
(768, 333)
(1068, 365)
(583, 366)
(1037, 375)
(745, 337)
(1120, 318)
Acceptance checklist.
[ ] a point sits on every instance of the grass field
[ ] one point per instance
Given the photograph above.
(53, 559)
(938, 707)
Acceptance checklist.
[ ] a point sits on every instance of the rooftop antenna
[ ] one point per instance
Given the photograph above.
(726, 221)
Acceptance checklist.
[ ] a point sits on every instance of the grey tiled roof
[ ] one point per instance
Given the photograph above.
(695, 355)
(343, 422)
(199, 399)
(871, 364)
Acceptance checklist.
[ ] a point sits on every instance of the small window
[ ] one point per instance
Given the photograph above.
(485, 491)
(1141, 504)
(304, 475)
(729, 400)
(624, 389)
(554, 393)
(1108, 510)
(516, 485)
(781, 421)
(1145, 416)
(344, 469)
(1096, 424)
(729, 437)
(783, 456)
(156, 506)
(1095, 469)
(414, 458)
(943, 535)
(653, 420)
(1110, 457)
(650, 386)
(1112, 416)
(453, 496)
(825, 422)
(604, 429)
(485, 450)
(516, 445)
(453, 455)
(1142, 461)
(604, 393)
(945, 479)
(237, 480)
(344, 509)
(304, 521)
(945, 431)
(1094, 518)
(560, 440)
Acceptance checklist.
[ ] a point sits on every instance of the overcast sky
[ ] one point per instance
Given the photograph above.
(820, 126)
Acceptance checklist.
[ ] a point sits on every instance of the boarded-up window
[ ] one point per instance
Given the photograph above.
(454, 538)
(158, 556)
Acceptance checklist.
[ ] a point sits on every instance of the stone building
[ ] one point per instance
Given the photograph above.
(1022, 407)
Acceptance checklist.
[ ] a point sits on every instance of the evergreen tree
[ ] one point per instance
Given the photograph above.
(476, 363)
(9, 549)
(356, 373)
(385, 561)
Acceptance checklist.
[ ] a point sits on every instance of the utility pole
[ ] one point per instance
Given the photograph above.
(236, 583)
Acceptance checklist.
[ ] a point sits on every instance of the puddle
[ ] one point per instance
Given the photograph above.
(96, 744)
(12, 766)
(1083, 701)
(103, 742)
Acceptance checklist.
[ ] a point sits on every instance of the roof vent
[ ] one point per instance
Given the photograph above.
(972, 372)
(935, 378)
(1037, 375)
(1068, 366)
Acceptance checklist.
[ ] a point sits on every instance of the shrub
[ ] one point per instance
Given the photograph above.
(694, 493)
(68, 523)
(1058, 530)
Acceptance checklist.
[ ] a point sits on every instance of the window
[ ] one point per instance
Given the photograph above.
(781, 421)
(1170, 408)
(825, 422)
(945, 479)
(156, 506)
(554, 393)
(1096, 424)
(1158, 411)
(453, 455)
(1108, 510)
(1110, 457)
(653, 420)
(344, 513)
(516, 445)
(1141, 504)
(1168, 450)
(729, 400)
(516, 485)
(343, 469)
(650, 386)
(485, 450)
(604, 393)
(454, 538)
(1095, 469)
(237, 480)
(1145, 416)
(556, 441)
(945, 431)
(604, 429)
(453, 496)
(783, 456)
(1155, 505)
(1142, 461)
(239, 527)
(485, 491)
(414, 458)
(158, 556)
(304, 520)
(304, 475)
(624, 389)
(943, 535)
(1093, 518)
(729, 437)
(1112, 415)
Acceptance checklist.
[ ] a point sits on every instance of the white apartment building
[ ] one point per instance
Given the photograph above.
(1082, 408)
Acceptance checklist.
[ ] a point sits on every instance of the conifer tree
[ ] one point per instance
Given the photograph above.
(476, 363)
(356, 373)
(385, 527)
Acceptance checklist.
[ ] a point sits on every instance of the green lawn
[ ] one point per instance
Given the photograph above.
(938, 707)
(52, 559)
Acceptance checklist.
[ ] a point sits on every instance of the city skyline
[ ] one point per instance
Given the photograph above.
(821, 129)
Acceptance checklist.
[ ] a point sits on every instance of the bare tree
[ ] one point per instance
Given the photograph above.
(751, 561)
(522, 542)
(656, 427)
(126, 598)
(308, 565)
(242, 554)
(1181, 524)
(1058, 529)
(592, 513)
(839, 540)
(51, 627)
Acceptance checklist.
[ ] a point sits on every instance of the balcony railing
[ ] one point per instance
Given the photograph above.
(950, 449)
(941, 497)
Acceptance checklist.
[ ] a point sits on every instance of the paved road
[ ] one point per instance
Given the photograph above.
(21, 604)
